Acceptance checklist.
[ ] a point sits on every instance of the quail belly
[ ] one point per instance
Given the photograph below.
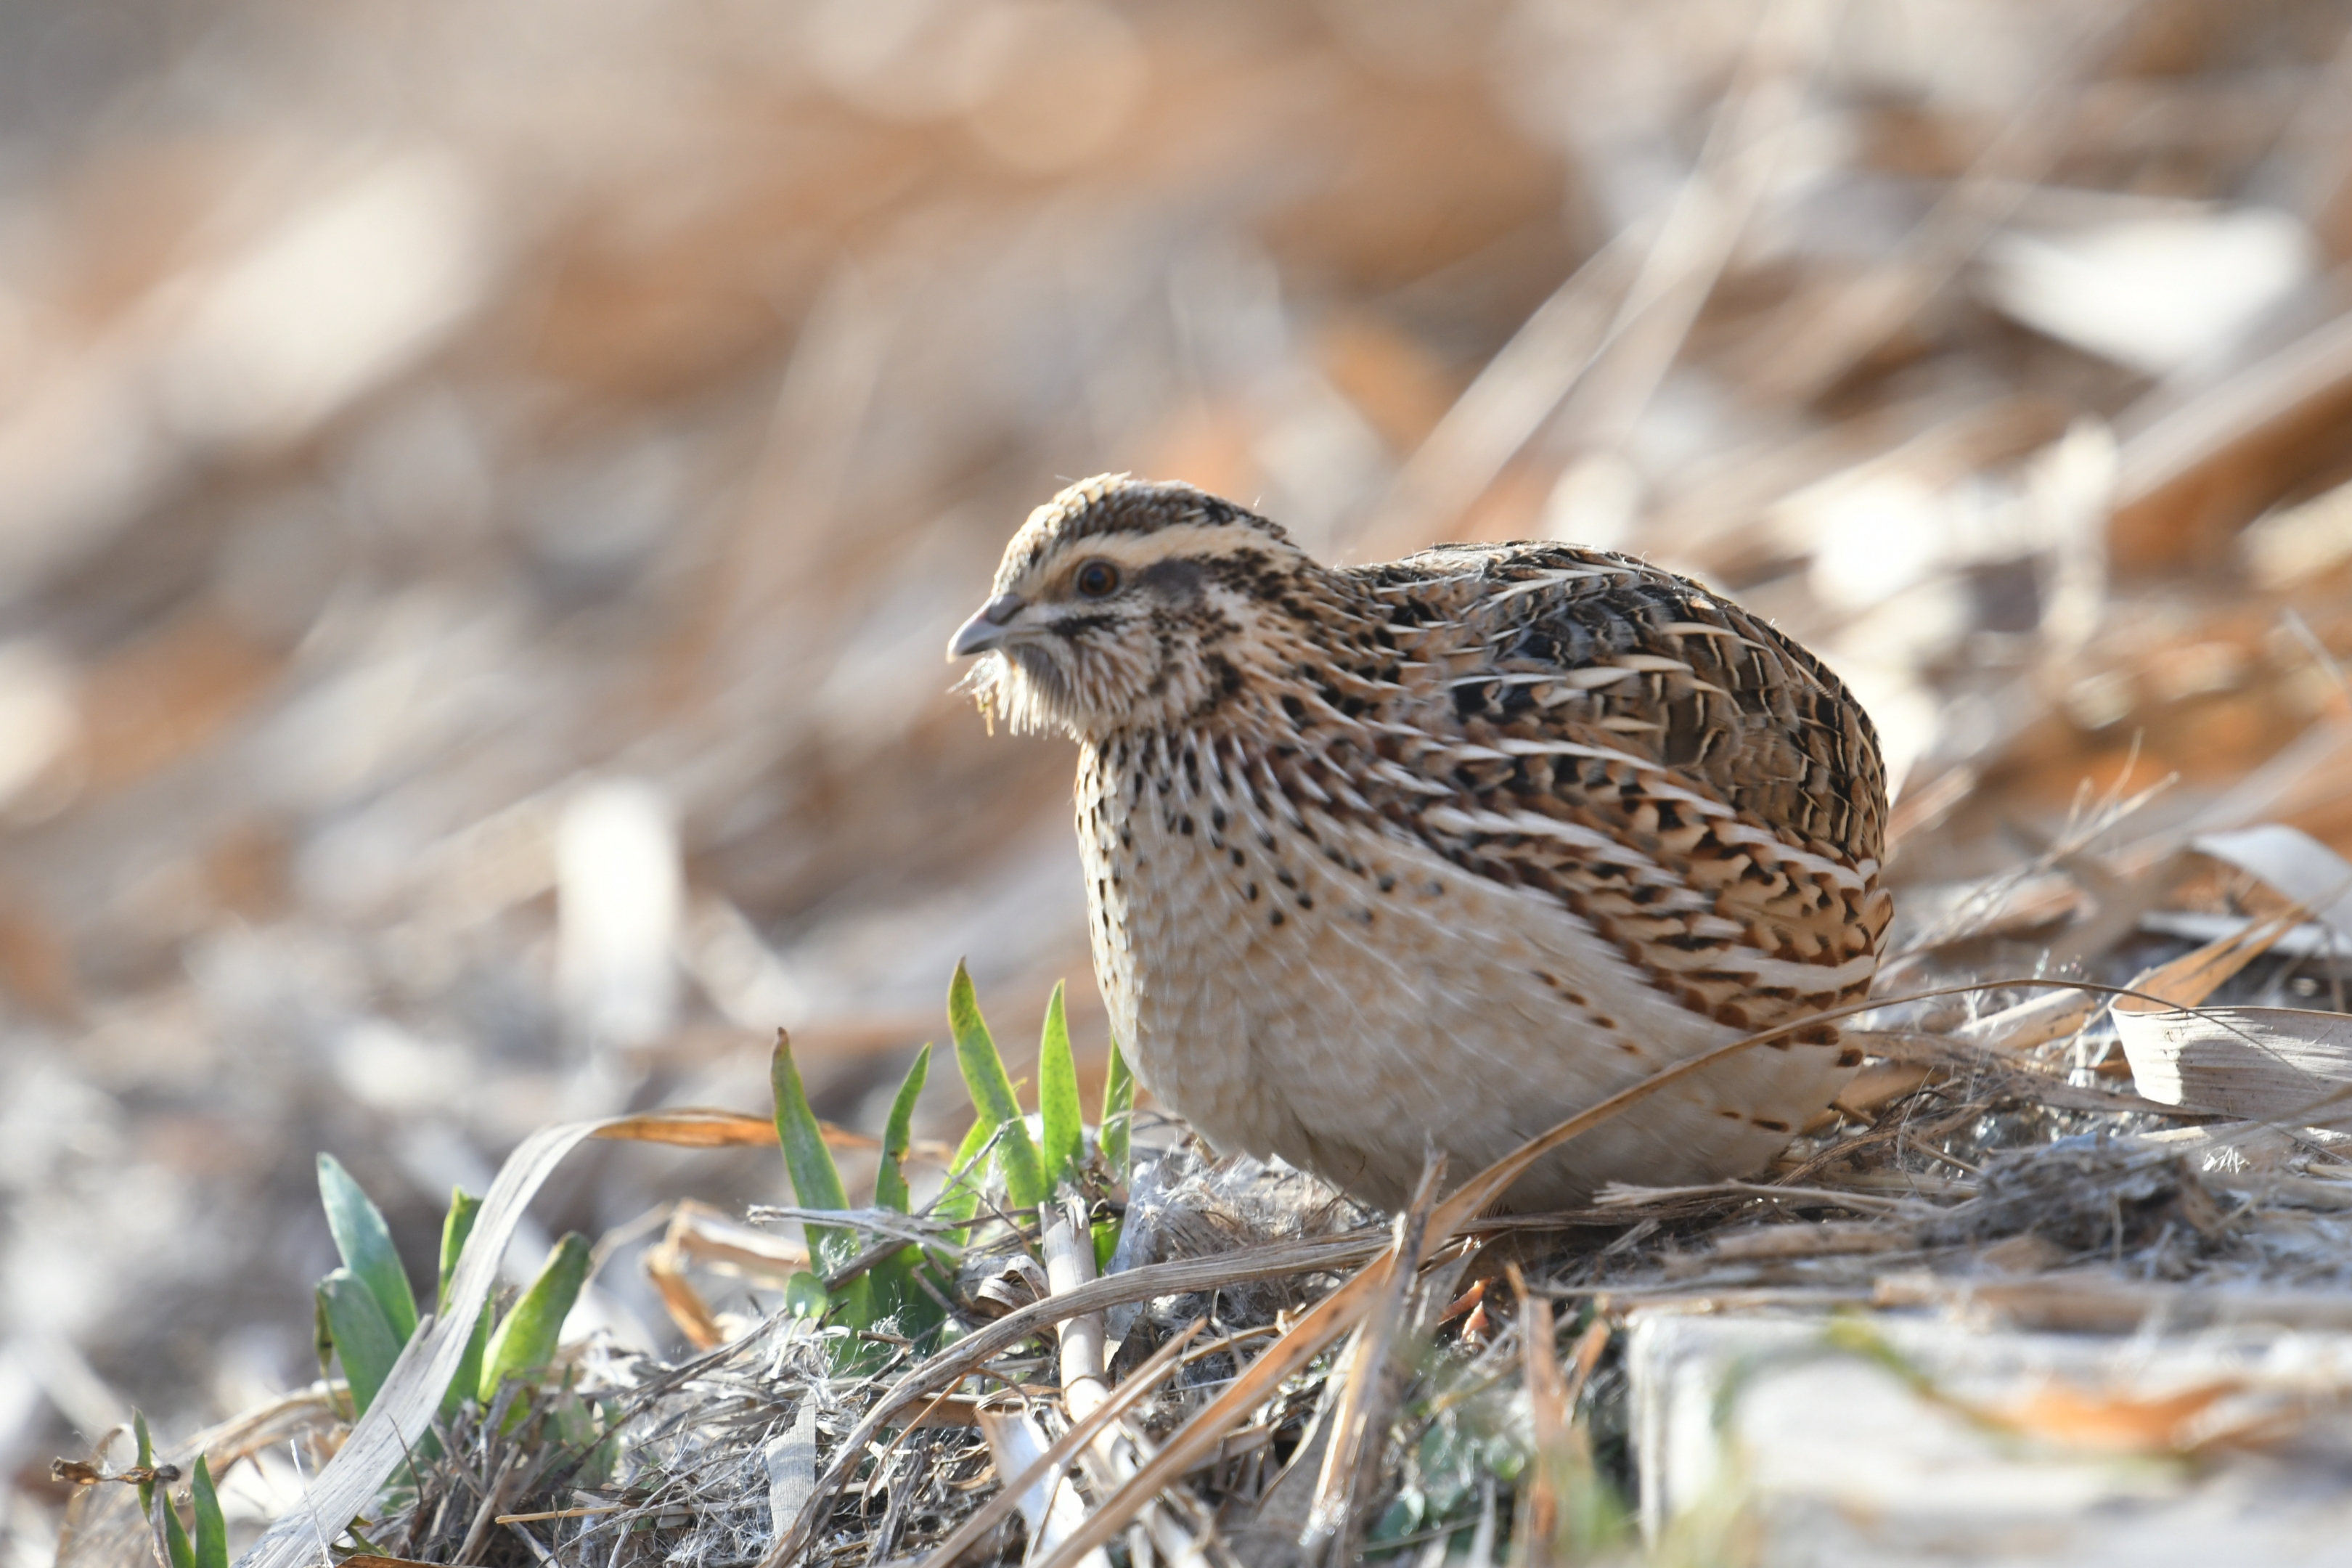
(1301, 986)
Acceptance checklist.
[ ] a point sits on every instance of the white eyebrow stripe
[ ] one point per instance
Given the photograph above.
(1189, 541)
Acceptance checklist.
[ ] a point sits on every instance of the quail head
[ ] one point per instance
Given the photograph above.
(1439, 852)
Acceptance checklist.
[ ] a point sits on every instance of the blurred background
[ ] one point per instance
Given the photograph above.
(484, 488)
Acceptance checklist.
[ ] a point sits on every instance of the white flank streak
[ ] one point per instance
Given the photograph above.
(1547, 580)
(1516, 589)
(1819, 866)
(1403, 778)
(1574, 749)
(1533, 825)
(1806, 979)
(1790, 854)
(1655, 783)
(1519, 678)
(1812, 978)
(1680, 796)
(1652, 664)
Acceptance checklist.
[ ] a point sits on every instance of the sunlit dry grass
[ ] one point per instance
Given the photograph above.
(481, 500)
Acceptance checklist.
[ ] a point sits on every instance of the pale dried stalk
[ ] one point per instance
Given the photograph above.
(1112, 1456)
(1067, 1243)
(1344, 1308)
(1199, 1437)
(1281, 1259)
(1068, 1246)
(1049, 1505)
(2030, 1024)
(1360, 1414)
(1083, 1431)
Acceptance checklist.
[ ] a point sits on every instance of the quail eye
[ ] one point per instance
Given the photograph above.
(1097, 580)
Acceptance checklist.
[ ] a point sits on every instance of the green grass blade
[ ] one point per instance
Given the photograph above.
(465, 1382)
(212, 1531)
(816, 1180)
(527, 1340)
(816, 1183)
(991, 1095)
(455, 1228)
(1063, 1129)
(893, 1296)
(363, 1340)
(1117, 1113)
(804, 1295)
(959, 1200)
(146, 1461)
(365, 1242)
(890, 1180)
(176, 1539)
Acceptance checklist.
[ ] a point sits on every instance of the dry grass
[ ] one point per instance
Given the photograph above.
(1999, 352)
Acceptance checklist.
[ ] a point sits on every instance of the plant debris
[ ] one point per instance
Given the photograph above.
(494, 692)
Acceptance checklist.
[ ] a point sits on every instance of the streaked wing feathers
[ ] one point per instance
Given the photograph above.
(1696, 786)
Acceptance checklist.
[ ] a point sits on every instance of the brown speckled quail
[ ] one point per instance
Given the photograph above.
(1443, 850)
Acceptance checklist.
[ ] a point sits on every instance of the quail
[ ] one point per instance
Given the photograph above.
(1438, 852)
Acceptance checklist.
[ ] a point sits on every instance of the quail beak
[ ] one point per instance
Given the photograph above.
(989, 628)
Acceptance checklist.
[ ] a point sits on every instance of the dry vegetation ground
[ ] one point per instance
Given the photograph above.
(482, 493)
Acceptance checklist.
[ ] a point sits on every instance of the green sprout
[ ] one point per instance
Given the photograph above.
(903, 1291)
(526, 1341)
(366, 1314)
(210, 1548)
